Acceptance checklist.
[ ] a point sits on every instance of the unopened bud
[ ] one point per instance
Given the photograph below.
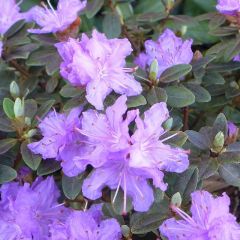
(232, 133)
(31, 133)
(184, 30)
(14, 89)
(234, 84)
(153, 70)
(27, 121)
(176, 199)
(197, 55)
(218, 142)
(19, 107)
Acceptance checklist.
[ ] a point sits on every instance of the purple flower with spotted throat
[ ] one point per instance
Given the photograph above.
(98, 64)
(86, 225)
(62, 142)
(130, 159)
(168, 50)
(55, 20)
(26, 211)
(210, 220)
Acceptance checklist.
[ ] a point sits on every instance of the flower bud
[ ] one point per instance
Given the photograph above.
(232, 133)
(218, 142)
(14, 89)
(27, 121)
(153, 71)
(176, 199)
(31, 133)
(18, 107)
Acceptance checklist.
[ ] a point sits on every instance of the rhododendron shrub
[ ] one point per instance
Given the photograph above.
(119, 120)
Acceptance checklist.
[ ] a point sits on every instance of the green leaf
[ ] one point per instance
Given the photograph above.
(93, 6)
(208, 168)
(179, 96)
(223, 67)
(108, 211)
(184, 183)
(175, 73)
(7, 174)
(198, 140)
(8, 107)
(6, 125)
(48, 166)
(141, 223)
(220, 125)
(151, 17)
(177, 140)
(149, 6)
(69, 91)
(32, 160)
(72, 186)
(229, 157)
(136, 101)
(201, 94)
(30, 108)
(156, 95)
(43, 110)
(118, 203)
(233, 49)
(213, 78)
(7, 144)
(230, 173)
(112, 25)
(14, 28)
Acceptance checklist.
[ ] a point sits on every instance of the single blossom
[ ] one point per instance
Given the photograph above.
(228, 7)
(168, 50)
(9, 14)
(210, 220)
(55, 20)
(130, 160)
(98, 64)
(61, 141)
(232, 129)
(86, 225)
(26, 211)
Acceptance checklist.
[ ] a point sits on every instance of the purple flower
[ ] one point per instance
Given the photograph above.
(232, 129)
(61, 141)
(98, 64)
(210, 220)
(86, 225)
(130, 160)
(169, 50)
(58, 20)
(228, 7)
(9, 14)
(26, 211)
(237, 58)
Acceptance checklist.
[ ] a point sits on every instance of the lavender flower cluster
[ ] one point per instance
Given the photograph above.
(126, 150)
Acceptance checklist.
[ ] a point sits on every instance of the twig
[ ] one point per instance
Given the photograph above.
(19, 68)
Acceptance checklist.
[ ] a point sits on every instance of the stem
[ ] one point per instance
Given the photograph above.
(19, 68)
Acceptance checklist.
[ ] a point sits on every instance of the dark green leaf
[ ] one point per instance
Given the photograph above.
(201, 94)
(7, 144)
(156, 95)
(43, 110)
(72, 186)
(230, 173)
(198, 139)
(48, 166)
(175, 73)
(69, 91)
(93, 6)
(179, 96)
(136, 101)
(220, 124)
(32, 160)
(7, 174)
(112, 25)
(8, 106)
(6, 125)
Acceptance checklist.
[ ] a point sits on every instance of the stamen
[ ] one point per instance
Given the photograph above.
(20, 2)
(124, 195)
(167, 138)
(130, 70)
(86, 204)
(182, 214)
(118, 186)
(50, 5)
